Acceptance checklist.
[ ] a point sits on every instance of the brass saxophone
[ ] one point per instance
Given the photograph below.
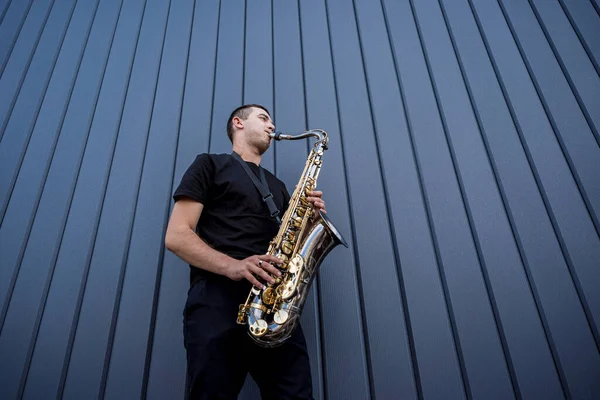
(302, 242)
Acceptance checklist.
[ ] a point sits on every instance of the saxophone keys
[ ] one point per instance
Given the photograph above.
(259, 327)
(288, 291)
(242, 317)
(281, 316)
(287, 247)
(268, 296)
(296, 222)
(295, 264)
(290, 236)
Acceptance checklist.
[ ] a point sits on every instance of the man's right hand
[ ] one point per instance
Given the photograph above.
(255, 267)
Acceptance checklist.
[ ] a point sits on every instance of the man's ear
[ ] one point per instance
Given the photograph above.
(238, 122)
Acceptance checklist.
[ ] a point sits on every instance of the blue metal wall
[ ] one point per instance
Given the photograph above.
(464, 171)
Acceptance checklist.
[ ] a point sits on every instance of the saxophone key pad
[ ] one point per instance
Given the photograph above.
(259, 327)
(281, 316)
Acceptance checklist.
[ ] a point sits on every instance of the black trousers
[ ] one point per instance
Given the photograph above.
(220, 354)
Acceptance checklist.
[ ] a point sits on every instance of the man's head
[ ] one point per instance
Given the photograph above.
(252, 124)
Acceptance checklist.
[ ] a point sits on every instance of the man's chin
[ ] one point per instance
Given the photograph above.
(262, 149)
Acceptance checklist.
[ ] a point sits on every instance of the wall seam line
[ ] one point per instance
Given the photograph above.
(16, 272)
(121, 281)
(549, 209)
(4, 11)
(214, 86)
(46, 289)
(564, 70)
(364, 325)
(580, 36)
(470, 220)
(17, 35)
(436, 247)
(32, 125)
(531, 279)
(83, 285)
(161, 255)
(25, 70)
(390, 216)
(501, 189)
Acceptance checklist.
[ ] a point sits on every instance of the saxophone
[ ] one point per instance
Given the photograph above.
(302, 242)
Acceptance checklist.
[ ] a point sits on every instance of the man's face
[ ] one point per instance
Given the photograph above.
(257, 128)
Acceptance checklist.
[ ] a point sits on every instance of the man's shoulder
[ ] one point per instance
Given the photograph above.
(215, 160)
(215, 156)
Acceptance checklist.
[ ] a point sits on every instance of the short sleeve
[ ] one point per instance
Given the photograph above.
(197, 180)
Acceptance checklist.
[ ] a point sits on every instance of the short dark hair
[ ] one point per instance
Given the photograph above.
(242, 112)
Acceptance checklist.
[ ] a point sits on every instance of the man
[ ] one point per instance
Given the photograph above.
(221, 227)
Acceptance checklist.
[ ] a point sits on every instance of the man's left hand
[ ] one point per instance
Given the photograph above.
(316, 199)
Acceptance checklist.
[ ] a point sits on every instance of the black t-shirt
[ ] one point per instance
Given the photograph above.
(235, 220)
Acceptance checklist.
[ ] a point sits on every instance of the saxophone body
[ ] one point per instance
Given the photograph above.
(302, 243)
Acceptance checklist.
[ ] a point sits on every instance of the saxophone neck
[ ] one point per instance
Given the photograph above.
(320, 134)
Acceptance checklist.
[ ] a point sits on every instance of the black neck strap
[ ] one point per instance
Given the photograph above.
(262, 186)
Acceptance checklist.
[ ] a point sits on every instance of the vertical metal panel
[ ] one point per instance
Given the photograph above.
(346, 372)
(575, 64)
(550, 268)
(127, 358)
(14, 13)
(18, 124)
(392, 373)
(383, 36)
(491, 214)
(574, 229)
(63, 302)
(16, 67)
(40, 211)
(586, 24)
(13, 150)
(88, 358)
(166, 375)
(258, 61)
(229, 74)
(463, 171)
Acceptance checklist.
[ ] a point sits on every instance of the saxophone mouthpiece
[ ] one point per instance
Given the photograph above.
(279, 136)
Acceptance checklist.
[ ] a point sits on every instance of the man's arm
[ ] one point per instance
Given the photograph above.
(182, 240)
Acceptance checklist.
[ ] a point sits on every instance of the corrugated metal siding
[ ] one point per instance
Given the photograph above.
(463, 171)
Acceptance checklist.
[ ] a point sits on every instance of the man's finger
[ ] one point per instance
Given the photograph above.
(314, 199)
(317, 202)
(261, 273)
(270, 259)
(248, 275)
(268, 265)
(271, 269)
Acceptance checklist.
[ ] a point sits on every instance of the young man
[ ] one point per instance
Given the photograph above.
(222, 228)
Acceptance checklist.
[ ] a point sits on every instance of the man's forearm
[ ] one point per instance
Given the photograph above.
(193, 250)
